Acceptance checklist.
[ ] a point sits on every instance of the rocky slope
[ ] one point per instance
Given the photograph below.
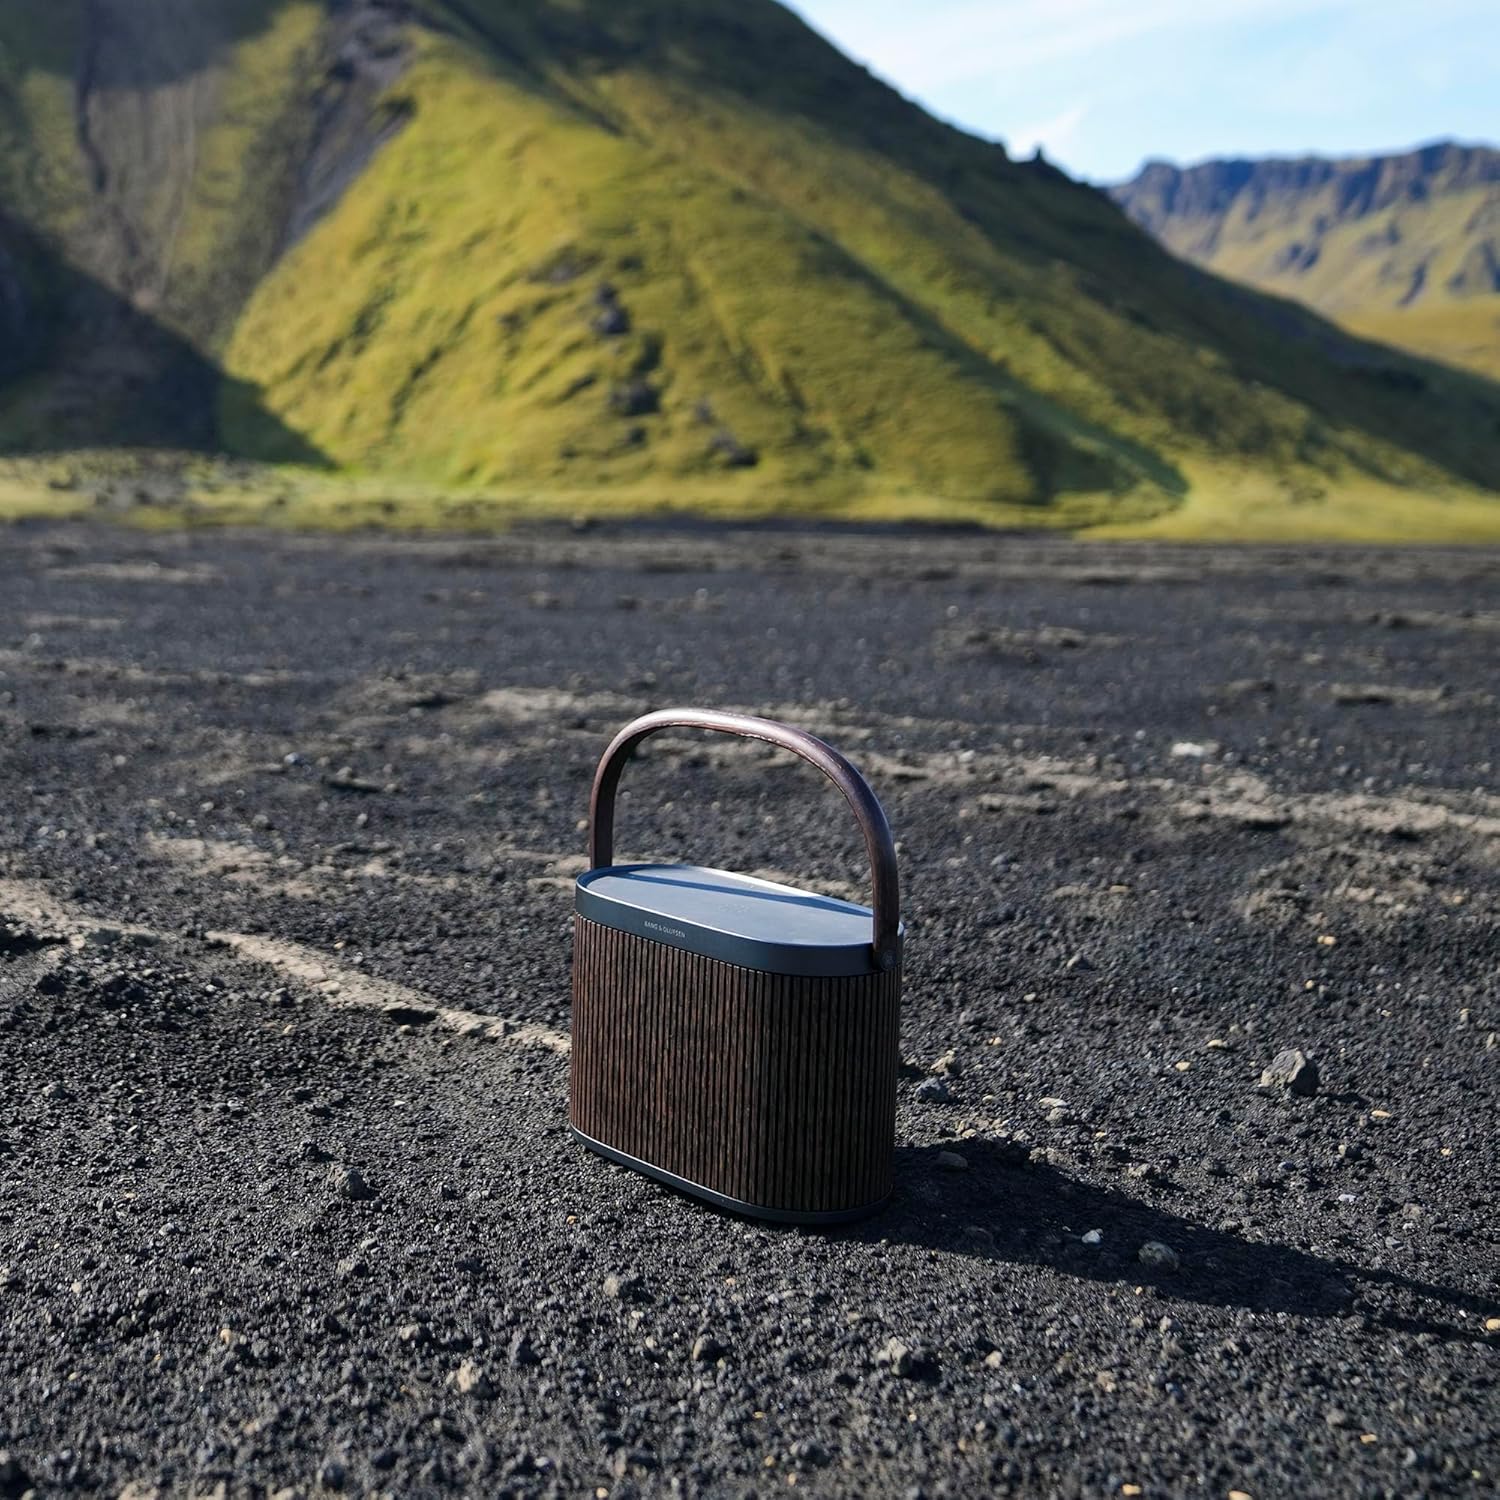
(1406, 247)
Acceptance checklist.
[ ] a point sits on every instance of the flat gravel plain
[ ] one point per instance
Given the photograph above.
(287, 833)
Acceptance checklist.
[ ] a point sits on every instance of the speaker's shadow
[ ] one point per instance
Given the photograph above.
(1011, 1212)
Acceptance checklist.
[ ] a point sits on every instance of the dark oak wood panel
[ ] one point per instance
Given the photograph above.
(769, 1089)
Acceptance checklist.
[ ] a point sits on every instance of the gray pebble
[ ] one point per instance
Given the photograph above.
(626, 1288)
(469, 1379)
(1156, 1256)
(909, 1361)
(1293, 1071)
(347, 1182)
(810, 1452)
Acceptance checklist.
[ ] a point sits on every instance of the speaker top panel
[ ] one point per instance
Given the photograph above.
(738, 919)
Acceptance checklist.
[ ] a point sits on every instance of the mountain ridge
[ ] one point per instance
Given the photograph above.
(1403, 246)
(674, 248)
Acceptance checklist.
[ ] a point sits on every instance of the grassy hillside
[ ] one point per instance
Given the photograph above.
(1464, 333)
(1402, 248)
(655, 252)
(537, 283)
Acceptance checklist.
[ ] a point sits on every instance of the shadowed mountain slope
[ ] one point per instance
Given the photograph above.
(82, 368)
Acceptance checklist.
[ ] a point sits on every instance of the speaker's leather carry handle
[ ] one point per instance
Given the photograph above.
(886, 888)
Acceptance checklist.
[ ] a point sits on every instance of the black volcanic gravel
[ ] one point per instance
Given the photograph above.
(287, 1203)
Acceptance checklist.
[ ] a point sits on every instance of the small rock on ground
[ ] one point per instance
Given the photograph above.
(909, 1361)
(1292, 1070)
(626, 1287)
(1156, 1256)
(349, 1182)
(469, 1379)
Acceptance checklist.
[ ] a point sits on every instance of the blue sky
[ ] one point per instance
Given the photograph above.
(1102, 85)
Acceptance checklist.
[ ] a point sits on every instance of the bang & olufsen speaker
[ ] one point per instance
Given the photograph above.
(733, 1037)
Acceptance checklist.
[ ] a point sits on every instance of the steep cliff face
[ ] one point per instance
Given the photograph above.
(1405, 245)
(1171, 201)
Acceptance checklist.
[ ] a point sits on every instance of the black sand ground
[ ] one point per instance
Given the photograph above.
(287, 829)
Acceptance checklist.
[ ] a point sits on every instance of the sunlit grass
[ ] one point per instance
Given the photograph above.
(1227, 507)
(1458, 333)
(157, 491)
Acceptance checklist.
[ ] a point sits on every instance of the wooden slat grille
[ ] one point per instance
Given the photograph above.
(768, 1088)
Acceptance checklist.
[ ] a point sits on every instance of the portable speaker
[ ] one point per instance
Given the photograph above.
(733, 1037)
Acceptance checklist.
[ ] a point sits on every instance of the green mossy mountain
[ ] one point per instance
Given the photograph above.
(679, 249)
(1403, 247)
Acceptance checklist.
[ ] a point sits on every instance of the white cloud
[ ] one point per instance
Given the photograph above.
(1054, 136)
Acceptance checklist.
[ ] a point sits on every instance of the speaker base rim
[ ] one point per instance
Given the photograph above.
(815, 1217)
